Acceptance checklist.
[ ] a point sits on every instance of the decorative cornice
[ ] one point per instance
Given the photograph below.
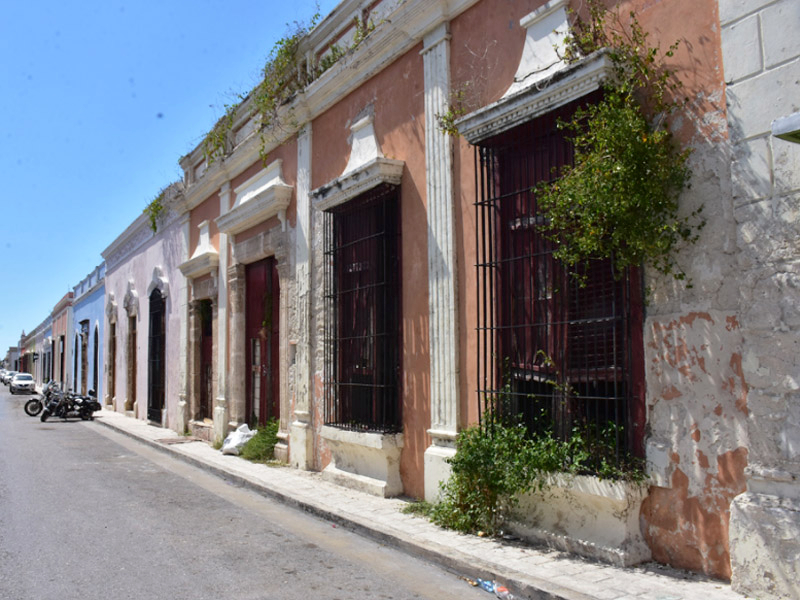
(563, 87)
(348, 186)
(398, 32)
(63, 304)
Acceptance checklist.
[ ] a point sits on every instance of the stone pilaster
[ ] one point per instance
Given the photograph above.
(301, 439)
(222, 417)
(441, 263)
(182, 416)
(236, 395)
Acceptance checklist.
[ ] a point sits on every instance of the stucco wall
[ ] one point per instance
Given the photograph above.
(91, 308)
(486, 47)
(134, 271)
(762, 67)
(396, 98)
(696, 405)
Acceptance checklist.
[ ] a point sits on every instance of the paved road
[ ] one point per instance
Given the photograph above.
(86, 513)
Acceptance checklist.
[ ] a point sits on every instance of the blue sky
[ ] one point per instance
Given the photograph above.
(99, 100)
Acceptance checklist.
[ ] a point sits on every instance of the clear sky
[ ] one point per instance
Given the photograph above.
(99, 99)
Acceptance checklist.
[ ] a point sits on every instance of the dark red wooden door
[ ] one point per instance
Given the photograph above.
(262, 307)
(206, 359)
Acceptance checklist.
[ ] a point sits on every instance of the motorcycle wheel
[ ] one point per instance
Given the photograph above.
(33, 407)
(44, 416)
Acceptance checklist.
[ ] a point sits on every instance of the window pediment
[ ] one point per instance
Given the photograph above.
(205, 258)
(346, 187)
(541, 97)
(261, 197)
(200, 264)
(366, 168)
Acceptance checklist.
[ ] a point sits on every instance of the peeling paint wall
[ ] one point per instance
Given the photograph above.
(697, 442)
(762, 68)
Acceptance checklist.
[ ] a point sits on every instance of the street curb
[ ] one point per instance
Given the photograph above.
(520, 584)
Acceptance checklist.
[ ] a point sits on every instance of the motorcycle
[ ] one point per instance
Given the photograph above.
(35, 405)
(67, 404)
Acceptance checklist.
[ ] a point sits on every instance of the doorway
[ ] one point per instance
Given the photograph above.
(156, 371)
(206, 359)
(262, 332)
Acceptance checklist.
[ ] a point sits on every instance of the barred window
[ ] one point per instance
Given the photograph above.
(563, 355)
(362, 293)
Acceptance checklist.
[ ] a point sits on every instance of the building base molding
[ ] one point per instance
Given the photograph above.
(369, 462)
(203, 430)
(301, 450)
(182, 416)
(437, 467)
(281, 450)
(587, 516)
(764, 536)
(220, 419)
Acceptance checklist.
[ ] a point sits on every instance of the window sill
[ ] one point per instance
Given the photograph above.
(369, 462)
(588, 516)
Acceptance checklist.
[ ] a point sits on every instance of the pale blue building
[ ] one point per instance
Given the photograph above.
(87, 322)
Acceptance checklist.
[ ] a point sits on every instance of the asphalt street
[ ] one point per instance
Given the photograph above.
(86, 513)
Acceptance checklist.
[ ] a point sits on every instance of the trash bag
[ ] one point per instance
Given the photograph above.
(237, 439)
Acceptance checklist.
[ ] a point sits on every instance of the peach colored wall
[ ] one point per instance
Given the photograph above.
(208, 210)
(397, 96)
(685, 525)
(485, 49)
(288, 153)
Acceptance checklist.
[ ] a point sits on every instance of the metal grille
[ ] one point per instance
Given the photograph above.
(553, 351)
(156, 357)
(362, 313)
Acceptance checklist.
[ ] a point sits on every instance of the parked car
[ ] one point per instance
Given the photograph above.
(22, 382)
(7, 377)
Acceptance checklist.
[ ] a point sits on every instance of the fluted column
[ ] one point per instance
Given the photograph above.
(222, 416)
(300, 432)
(237, 372)
(441, 263)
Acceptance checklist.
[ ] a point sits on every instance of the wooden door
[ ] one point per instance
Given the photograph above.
(262, 308)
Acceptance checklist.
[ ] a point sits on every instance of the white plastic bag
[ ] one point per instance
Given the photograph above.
(237, 439)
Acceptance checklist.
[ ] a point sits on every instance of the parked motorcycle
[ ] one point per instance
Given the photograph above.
(35, 405)
(66, 405)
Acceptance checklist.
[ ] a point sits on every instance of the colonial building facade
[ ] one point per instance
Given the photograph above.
(341, 263)
(88, 325)
(145, 316)
(374, 281)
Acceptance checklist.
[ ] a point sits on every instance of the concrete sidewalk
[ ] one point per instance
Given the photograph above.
(530, 572)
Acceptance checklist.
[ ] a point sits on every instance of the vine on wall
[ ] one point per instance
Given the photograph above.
(155, 208)
(620, 197)
(284, 75)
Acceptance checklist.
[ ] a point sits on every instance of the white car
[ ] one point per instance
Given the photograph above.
(7, 377)
(22, 382)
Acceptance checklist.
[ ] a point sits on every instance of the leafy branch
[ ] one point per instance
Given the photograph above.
(620, 197)
(285, 74)
(155, 209)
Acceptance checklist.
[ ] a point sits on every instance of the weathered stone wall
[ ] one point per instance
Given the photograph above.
(762, 67)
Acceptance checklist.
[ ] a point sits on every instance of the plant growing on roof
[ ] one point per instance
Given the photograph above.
(284, 75)
(620, 197)
(155, 208)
